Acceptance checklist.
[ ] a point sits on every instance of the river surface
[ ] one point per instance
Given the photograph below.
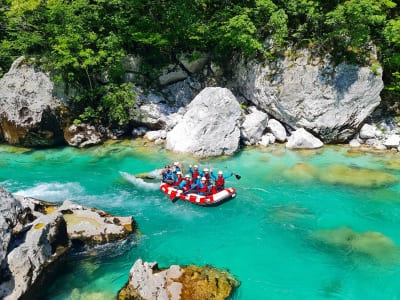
(282, 237)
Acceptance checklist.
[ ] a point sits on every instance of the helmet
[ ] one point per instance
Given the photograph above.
(220, 173)
(176, 163)
(187, 176)
(195, 166)
(203, 179)
(166, 166)
(179, 173)
(205, 170)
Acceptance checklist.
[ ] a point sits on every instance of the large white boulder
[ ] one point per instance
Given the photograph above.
(211, 125)
(301, 139)
(253, 126)
(277, 130)
(368, 131)
(393, 141)
(31, 106)
(312, 93)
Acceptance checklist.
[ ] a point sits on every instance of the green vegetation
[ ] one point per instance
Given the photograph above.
(81, 40)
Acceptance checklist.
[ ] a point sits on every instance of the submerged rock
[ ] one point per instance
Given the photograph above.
(373, 245)
(82, 135)
(253, 126)
(31, 107)
(301, 172)
(148, 282)
(339, 174)
(44, 243)
(301, 139)
(393, 165)
(210, 127)
(304, 91)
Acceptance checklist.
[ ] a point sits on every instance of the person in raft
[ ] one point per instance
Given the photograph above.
(167, 175)
(206, 174)
(177, 167)
(187, 185)
(177, 179)
(220, 180)
(195, 172)
(203, 188)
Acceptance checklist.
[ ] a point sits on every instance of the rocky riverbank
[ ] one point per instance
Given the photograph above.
(208, 110)
(36, 235)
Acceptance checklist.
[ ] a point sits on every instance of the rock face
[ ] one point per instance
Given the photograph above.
(9, 211)
(148, 282)
(253, 126)
(94, 226)
(311, 93)
(194, 63)
(172, 74)
(82, 135)
(30, 107)
(44, 243)
(301, 139)
(210, 127)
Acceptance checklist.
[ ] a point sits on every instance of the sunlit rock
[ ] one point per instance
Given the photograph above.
(373, 245)
(368, 131)
(253, 126)
(340, 174)
(301, 139)
(147, 281)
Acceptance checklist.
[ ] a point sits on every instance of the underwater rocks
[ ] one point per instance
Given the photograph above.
(340, 174)
(44, 242)
(148, 282)
(305, 91)
(373, 245)
(301, 139)
(31, 107)
(94, 226)
(211, 125)
(82, 135)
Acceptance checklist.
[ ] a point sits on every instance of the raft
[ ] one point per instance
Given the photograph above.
(210, 200)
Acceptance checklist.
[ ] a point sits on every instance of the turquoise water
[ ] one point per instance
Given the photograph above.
(265, 236)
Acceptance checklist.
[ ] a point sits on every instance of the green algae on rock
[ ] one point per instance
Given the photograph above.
(301, 171)
(374, 245)
(340, 174)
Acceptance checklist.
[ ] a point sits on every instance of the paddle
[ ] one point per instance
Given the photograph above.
(175, 199)
(238, 176)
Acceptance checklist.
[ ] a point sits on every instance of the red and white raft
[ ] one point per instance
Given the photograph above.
(210, 200)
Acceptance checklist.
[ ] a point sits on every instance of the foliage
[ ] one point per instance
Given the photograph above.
(81, 40)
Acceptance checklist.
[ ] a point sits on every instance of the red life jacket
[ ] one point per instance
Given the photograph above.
(207, 176)
(178, 182)
(220, 181)
(204, 189)
(187, 186)
(195, 174)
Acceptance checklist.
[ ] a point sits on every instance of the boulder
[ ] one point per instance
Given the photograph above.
(94, 226)
(368, 131)
(171, 74)
(267, 139)
(152, 115)
(210, 127)
(301, 139)
(44, 243)
(155, 135)
(10, 209)
(147, 281)
(253, 126)
(277, 130)
(313, 93)
(194, 62)
(31, 106)
(354, 143)
(82, 135)
(393, 141)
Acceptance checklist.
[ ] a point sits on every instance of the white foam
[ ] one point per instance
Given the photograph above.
(138, 182)
(53, 191)
(155, 174)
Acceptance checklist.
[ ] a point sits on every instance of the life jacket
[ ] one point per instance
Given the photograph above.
(203, 189)
(187, 186)
(207, 176)
(195, 174)
(220, 181)
(178, 180)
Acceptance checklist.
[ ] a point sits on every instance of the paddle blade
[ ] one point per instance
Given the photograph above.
(238, 177)
(175, 199)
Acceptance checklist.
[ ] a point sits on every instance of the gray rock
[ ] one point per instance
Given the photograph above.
(216, 69)
(301, 139)
(155, 135)
(330, 101)
(82, 135)
(131, 63)
(180, 93)
(194, 65)
(253, 126)
(31, 106)
(368, 131)
(43, 244)
(10, 209)
(393, 141)
(354, 143)
(172, 74)
(210, 127)
(277, 130)
(267, 139)
(152, 115)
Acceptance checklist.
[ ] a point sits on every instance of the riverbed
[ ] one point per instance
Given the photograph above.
(295, 231)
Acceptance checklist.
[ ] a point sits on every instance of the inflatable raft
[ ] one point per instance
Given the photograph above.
(210, 200)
